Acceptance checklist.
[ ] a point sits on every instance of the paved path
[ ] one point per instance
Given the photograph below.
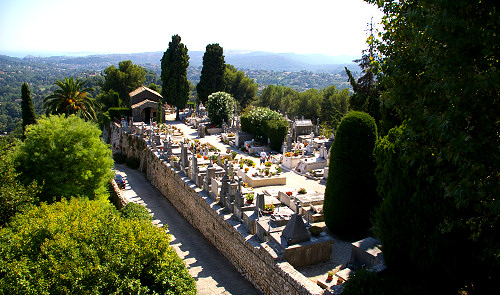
(214, 274)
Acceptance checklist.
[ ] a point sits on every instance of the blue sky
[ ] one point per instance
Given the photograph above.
(44, 27)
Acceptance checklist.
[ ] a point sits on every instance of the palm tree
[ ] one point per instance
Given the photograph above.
(70, 99)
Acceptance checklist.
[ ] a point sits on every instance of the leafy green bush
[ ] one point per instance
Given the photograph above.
(85, 247)
(135, 211)
(350, 194)
(67, 156)
(219, 107)
(14, 197)
(264, 123)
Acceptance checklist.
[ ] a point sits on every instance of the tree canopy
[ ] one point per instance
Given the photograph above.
(175, 86)
(67, 156)
(240, 86)
(438, 173)
(87, 247)
(124, 79)
(212, 73)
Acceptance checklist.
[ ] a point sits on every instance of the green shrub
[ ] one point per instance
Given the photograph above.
(86, 247)
(219, 107)
(67, 156)
(264, 123)
(14, 196)
(350, 193)
(135, 211)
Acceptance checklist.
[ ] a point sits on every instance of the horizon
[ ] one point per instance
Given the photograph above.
(48, 28)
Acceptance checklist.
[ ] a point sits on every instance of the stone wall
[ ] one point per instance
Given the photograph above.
(254, 260)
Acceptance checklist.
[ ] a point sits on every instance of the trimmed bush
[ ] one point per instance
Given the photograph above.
(220, 107)
(86, 247)
(264, 123)
(350, 194)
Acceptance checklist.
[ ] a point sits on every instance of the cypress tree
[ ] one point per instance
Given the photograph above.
(212, 74)
(175, 85)
(28, 111)
(350, 194)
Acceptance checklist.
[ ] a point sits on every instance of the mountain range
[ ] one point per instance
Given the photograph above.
(255, 60)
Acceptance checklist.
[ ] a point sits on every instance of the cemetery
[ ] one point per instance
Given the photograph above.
(257, 214)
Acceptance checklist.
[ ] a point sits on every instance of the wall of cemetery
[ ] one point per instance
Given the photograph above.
(256, 261)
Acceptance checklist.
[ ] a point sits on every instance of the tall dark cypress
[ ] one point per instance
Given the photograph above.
(28, 111)
(212, 73)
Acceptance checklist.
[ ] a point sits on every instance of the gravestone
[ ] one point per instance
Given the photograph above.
(259, 203)
(224, 186)
(194, 167)
(323, 152)
(184, 155)
(295, 230)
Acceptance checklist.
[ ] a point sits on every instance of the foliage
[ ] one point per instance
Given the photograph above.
(175, 86)
(219, 107)
(154, 87)
(118, 113)
(14, 197)
(276, 131)
(67, 156)
(160, 117)
(240, 86)
(86, 247)
(28, 111)
(71, 99)
(366, 97)
(350, 194)
(109, 99)
(364, 281)
(329, 104)
(119, 158)
(441, 76)
(212, 74)
(264, 123)
(135, 211)
(124, 79)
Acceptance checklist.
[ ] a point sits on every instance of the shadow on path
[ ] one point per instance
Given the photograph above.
(214, 274)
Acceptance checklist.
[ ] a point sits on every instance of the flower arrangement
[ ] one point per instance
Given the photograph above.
(174, 158)
(246, 169)
(269, 207)
(268, 164)
(288, 154)
(279, 170)
(244, 184)
(205, 157)
(289, 193)
(198, 156)
(302, 191)
(250, 197)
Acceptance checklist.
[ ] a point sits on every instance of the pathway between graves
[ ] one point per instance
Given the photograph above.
(213, 273)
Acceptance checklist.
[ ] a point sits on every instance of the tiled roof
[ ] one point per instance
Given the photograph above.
(141, 89)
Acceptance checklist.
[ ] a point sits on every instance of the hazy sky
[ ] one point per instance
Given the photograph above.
(332, 27)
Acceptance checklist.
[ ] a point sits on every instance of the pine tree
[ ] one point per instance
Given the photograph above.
(212, 74)
(175, 85)
(28, 111)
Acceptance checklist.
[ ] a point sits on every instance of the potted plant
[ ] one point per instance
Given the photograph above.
(269, 208)
(330, 276)
(250, 197)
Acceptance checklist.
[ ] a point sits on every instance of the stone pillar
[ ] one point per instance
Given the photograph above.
(184, 156)
(238, 198)
(194, 168)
